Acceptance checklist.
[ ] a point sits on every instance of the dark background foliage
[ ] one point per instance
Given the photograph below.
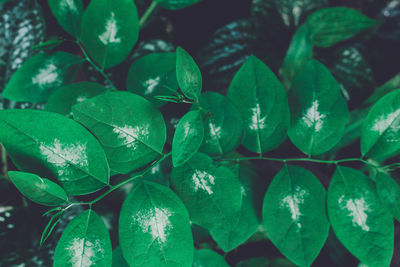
(221, 34)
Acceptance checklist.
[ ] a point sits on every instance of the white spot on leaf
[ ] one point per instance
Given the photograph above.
(257, 123)
(69, 5)
(155, 221)
(293, 202)
(132, 135)
(204, 181)
(215, 131)
(109, 36)
(83, 252)
(385, 121)
(357, 209)
(46, 76)
(312, 118)
(61, 154)
(151, 84)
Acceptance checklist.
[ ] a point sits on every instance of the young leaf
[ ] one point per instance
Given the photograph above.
(229, 237)
(188, 74)
(55, 218)
(208, 258)
(49, 44)
(299, 52)
(39, 190)
(109, 30)
(335, 24)
(62, 100)
(118, 259)
(85, 242)
(212, 194)
(176, 4)
(68, 14)
(188, 137)
(294, 214)
(41, 75)
(154, 227)
(131, 130)
(223, 126)
(387, 87)
(389, 193)
(319, 113)
(380, 136)
(358, 219)
(35, 139)
(153, 75)
(262, 101)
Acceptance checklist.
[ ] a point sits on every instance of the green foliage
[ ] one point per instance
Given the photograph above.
(190, 201)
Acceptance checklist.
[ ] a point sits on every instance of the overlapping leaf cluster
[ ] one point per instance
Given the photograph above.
(89, 137)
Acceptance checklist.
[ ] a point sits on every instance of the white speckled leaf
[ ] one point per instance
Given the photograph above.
(84, 243)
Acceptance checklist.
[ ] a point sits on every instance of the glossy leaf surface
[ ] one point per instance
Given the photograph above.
(130, 129)
(188, 137)
(153, 75)
(208, 258)
(176, 4)
(41, 75)
(319, 113)
(299, 52)
(389, 193)
(335, 24)
(36, 139)
(294, 214)
(68, 14)
(109, 30)
(154, 227)
(231, 236)
(262, 101)
(358, 218)
(211, 194)
(39, 190)
(84, 243)
(62, 100)
(380, 134)
(188, 74)
(223, 124)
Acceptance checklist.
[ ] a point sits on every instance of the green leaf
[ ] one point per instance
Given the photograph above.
(55, 218)
(188, 137)
(188, 74)
(154, 227)
(39, 190)
(389, 193)
(176, 4)
(262, 101)
(211, 194)
(208, 258)
(358, 218)
(35, 139)
(294, 214)
(68, 14)
(319, 113)
(109, 30)
(130, 129)
(380, 136)
(62, 100)
(118, 259)
(336, 24)
(223, 124)
(153, 75)
(299, 52)
(41, 75)
(85, 242)
(387, 87)
(231, 236)
(49, 44)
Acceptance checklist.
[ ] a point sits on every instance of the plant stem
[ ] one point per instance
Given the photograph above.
(138, 175)
(94, 65)
(299, 159)
(146, 14)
